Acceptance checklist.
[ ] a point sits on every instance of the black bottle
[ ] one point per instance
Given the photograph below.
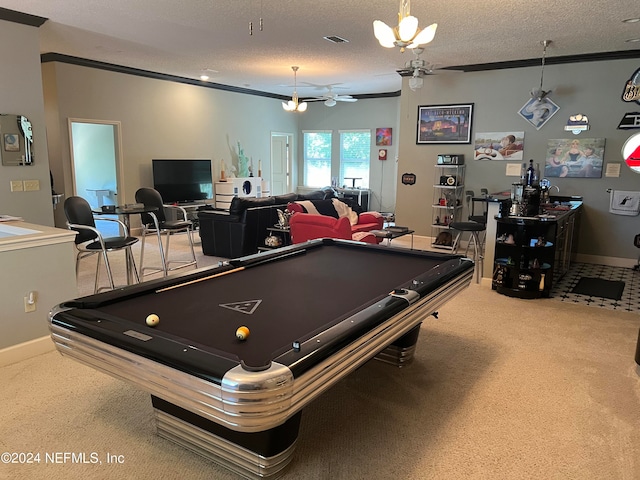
(531, 174)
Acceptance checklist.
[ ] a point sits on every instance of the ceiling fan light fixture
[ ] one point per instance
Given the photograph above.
(330, 102)
(406, 34)
(415, 83)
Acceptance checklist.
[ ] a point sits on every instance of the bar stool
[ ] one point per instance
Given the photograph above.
(158, 224)
(89, 241)
(474, 228)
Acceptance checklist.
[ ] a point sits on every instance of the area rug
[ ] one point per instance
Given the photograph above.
(596, 287)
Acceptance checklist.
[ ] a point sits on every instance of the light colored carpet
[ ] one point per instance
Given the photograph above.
(500, 388)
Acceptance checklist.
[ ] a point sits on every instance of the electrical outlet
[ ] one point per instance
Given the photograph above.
(16, 186)
(31, 185)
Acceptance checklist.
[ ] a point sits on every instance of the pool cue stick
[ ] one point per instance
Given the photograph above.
(238, 269)
(197, 280)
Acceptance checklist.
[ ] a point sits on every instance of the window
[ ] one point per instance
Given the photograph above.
(317, 158)
(355, 156)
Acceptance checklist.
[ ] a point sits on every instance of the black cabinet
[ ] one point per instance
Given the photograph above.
(524, 257)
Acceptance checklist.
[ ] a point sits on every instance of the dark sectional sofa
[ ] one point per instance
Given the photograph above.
(242, 229)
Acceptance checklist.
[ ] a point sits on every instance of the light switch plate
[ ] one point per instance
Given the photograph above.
(16, 186)
(31, 185)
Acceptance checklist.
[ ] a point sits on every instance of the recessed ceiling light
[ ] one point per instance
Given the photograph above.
(631, 20)
(633, 40)
(204, 78)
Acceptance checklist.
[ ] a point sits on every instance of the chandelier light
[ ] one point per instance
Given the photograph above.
(406, 34)
(293, 105)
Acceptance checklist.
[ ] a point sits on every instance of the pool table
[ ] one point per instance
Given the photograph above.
(315, 312)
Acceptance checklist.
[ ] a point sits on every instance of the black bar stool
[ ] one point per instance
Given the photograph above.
(474, 228)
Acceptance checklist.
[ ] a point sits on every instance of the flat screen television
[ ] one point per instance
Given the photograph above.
(182, 181)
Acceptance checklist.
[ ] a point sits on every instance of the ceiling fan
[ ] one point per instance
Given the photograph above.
(330, 98)
(416, 69)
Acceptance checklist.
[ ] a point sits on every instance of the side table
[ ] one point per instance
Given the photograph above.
(284, 233)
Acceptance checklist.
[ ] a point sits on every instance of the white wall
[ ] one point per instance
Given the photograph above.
(21, 93)
(590, 88)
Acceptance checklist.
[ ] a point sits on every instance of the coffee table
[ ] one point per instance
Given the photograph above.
(393, 232)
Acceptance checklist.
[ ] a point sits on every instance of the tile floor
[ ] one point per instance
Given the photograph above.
(630, 301)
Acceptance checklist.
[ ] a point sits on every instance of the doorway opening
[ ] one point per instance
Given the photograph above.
(96, 165)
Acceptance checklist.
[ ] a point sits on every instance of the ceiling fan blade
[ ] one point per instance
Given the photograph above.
(342, 99)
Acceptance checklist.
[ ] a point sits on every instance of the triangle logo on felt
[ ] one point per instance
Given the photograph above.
(247, 307)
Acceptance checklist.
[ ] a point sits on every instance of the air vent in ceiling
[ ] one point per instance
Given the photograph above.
(336, 39)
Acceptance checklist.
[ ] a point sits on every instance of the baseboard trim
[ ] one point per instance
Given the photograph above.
(609, 261)
(23, 351)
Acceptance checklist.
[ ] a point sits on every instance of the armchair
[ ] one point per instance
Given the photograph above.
(335, 208)
(306, 226)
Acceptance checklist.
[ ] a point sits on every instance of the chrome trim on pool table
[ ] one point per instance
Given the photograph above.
(237, 405)
(219, 450)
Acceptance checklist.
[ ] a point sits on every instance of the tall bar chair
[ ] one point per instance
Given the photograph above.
(89, 241)
(476, 226)
(156, 222)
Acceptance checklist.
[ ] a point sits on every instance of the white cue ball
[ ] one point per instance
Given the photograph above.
(153, 320)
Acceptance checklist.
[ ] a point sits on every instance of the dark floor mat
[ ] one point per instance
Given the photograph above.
(596, 287)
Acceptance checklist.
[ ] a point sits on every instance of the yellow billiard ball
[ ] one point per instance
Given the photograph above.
(242, 333)
(153, 320)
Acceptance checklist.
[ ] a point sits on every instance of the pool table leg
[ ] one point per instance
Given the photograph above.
(402, 351)
(252, 455)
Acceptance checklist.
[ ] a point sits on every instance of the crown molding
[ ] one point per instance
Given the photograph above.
(22, 18)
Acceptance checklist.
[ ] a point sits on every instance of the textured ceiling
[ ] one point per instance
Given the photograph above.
(185, 38)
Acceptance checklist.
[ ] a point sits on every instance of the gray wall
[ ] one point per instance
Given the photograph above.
(363, 114)
(592, 88)
(160, 119)
(21, 93)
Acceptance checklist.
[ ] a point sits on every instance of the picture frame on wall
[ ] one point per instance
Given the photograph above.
(383, 136)
(574, 157)
(538, 112)
(444, 124)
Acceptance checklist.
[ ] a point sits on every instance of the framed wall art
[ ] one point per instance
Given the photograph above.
(499, 145)
(538, 112)
(383, 136)
(573, 157)
(444, 123)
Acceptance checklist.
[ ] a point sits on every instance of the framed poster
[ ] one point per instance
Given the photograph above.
(444, 123)
(383, 136)
(573, 157)
(499, 145)
(538, 112)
